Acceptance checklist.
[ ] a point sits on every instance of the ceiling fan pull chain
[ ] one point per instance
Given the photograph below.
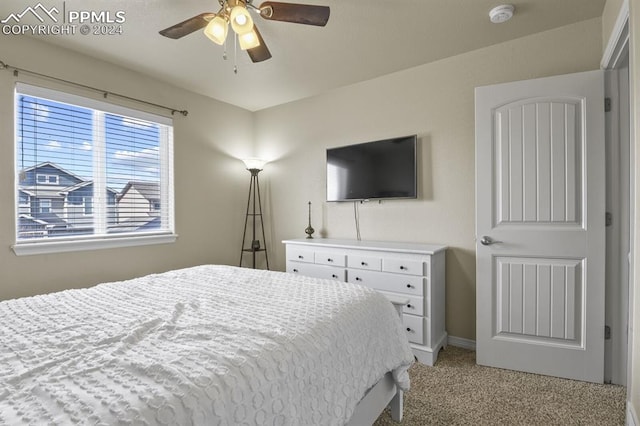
(235, 54)
(224, 52)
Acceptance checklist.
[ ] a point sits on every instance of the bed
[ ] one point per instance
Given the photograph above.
(205, 345)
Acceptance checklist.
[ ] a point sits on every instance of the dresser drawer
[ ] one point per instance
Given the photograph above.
(330, 258)
(300, 268)
(317, 271)
(364, 262)
(404, 266)
(388, 282)
(299, 254)
(329, 273)
(414, 307)
(415, 328)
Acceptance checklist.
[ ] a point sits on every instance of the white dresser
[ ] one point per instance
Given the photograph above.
(408, 271)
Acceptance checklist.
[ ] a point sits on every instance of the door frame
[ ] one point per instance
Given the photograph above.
(619, 267)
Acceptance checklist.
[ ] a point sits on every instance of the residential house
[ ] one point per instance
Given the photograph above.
(138, 206)
(55, 201)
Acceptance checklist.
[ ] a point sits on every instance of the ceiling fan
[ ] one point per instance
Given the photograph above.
(236, 14)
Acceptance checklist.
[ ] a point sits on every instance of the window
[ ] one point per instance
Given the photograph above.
(45, 206)
(90, 169)
(88, 206)
(47, 179)
(24, 200)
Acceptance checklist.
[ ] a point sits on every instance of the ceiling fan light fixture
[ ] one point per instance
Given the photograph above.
(235, 13)
(241, 21)
(249, 40)
(217, 29)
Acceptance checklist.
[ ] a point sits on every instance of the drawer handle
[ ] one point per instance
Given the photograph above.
(363, 263)
(295, 270)
(409, 305)
(358, 279)
(329, 260)
(409, 329)
(403, 268)
(409, 286)
(300, 256)
(334, 276)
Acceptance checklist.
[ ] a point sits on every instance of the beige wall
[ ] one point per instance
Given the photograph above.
(210, 182)
(633, 385)
(436, 101)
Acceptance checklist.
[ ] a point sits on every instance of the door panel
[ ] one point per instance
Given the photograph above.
(540, 201)
(539, 299)
(538, 161)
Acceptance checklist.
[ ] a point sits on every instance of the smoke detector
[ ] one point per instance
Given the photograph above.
(502, 13)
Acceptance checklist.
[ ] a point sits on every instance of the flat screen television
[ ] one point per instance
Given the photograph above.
(383, 169)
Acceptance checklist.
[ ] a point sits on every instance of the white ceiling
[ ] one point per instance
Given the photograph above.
(363, 39)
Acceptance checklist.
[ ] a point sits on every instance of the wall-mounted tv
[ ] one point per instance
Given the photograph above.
(372, 170)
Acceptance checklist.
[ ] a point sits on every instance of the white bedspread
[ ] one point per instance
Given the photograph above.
(206, 345)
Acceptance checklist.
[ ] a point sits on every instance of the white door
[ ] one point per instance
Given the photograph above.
(540, 218)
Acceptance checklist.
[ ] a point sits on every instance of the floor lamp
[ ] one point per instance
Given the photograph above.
(254, 166)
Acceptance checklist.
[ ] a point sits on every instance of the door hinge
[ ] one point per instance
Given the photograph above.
(607, 104)
(607, 332)
(608, 219)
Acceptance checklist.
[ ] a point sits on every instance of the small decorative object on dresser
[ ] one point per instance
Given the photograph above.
(309, 230)
(409, 271)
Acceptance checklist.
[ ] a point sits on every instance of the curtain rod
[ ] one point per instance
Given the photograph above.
(105, 93)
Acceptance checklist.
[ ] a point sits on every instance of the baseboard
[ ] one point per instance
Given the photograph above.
(461, 342)
(632, 416)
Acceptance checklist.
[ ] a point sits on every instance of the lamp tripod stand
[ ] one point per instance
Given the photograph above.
(254, 193)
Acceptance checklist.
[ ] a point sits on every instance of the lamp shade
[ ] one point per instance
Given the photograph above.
(217, 29)
(254, 163)
(241, 21)
(249, 40)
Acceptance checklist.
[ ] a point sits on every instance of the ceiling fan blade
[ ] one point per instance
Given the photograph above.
(297, 13)
(187, 27)
(260, 53)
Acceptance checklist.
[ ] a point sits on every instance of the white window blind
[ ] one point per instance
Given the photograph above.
(89, 171)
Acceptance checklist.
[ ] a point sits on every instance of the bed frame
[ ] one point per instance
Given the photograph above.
(382, 394)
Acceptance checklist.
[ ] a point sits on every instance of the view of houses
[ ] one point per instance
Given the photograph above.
(55, 202)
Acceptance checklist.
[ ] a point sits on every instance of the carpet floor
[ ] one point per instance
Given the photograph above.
(456, 391)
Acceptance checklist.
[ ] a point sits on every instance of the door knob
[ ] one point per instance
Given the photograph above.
(487, 241)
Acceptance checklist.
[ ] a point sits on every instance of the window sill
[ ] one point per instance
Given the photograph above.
(39, 247)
